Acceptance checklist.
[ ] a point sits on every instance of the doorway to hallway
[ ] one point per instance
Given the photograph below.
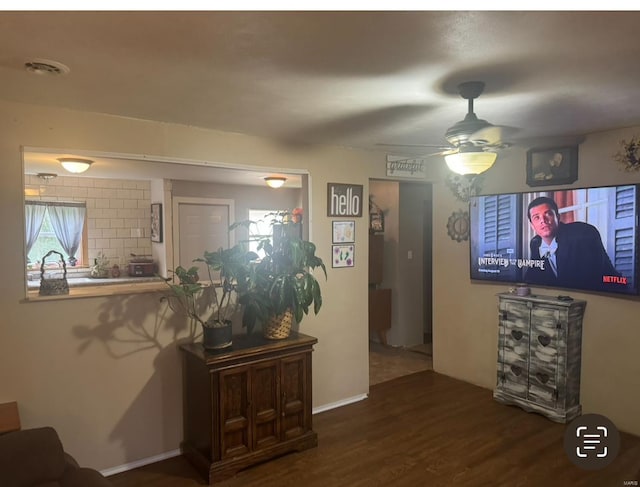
(406, 268)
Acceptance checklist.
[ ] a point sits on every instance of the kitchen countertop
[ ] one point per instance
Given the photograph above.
(86, 287)
(91, 281)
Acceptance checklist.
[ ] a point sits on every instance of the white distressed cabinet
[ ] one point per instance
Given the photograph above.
(539, 354)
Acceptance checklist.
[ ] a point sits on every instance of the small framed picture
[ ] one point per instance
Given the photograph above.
(551, 166)
(344, 231)
(156, 222)
(342, 255)
(376, 222)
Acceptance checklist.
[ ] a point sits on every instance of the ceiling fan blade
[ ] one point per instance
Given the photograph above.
(413, 145)
(492, 135)
(446, 152)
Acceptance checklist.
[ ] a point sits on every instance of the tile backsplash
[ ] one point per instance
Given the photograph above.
(118, 212)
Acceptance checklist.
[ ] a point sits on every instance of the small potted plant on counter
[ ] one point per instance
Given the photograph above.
(212, 304)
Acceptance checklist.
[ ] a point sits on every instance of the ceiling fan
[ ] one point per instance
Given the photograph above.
(474, 141)
(471, 135)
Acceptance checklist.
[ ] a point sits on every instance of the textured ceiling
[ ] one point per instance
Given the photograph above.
(356, 79)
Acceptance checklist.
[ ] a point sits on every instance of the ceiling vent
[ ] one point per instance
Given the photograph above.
(46, 66)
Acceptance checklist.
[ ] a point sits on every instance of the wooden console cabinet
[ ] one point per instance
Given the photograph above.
(539, 355)
(246, 404)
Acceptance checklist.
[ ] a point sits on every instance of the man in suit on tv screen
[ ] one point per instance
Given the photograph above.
(573, 252)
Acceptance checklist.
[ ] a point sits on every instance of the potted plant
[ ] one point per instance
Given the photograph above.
(212, 304)
(280, 286)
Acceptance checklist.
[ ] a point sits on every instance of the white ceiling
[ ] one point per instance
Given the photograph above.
(356, 79)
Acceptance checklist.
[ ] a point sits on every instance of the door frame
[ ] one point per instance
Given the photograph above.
(176, 201)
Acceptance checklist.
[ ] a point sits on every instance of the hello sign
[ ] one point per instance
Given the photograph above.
(344, 199)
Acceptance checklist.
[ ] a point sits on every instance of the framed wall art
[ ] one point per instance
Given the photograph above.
(156, 222)
(551, 166)
(342, 255)
(344, 199)
(344, 231)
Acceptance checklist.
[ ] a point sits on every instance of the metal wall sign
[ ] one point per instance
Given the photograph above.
(403, 167)
(344, 199)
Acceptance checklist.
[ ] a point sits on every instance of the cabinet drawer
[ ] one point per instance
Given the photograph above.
(513, 378)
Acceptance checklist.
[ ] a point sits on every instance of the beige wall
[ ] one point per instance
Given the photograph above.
(465, 314)
(105, 371)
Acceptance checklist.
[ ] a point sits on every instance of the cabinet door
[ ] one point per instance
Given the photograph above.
(265, 396)
(234, 391)
(379, 309)
(513, 347)
(543, 364)
(295, 396)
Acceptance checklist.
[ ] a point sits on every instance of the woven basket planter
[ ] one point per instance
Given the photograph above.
(279, 326)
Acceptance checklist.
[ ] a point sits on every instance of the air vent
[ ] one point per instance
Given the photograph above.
(45, 66)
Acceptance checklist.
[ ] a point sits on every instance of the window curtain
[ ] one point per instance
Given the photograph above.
(34, 213)
(67, 220)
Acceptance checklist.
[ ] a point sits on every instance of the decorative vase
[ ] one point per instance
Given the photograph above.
(278, 326)
(217, 335)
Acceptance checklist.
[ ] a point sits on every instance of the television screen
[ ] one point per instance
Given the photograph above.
(583, 239)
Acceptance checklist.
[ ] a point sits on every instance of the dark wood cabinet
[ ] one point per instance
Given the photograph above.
(379, 299)
(380, 312)
(248, 404)
(376, 258)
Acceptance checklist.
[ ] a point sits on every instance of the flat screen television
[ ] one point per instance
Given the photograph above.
(582, 239)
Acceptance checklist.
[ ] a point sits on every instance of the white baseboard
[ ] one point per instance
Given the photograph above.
(174, 453)
(337, 404)
(140, 463)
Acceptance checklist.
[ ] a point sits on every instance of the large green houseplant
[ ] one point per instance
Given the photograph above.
(281, 286)
(212, 304)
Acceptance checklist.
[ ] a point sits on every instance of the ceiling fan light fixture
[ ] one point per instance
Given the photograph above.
(470, 162)
(275, 181)
(75, 164)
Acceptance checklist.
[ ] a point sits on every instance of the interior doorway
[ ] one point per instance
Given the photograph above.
(406, 273)
(200, 224)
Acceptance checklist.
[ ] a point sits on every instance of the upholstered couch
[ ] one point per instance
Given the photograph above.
(36, 458)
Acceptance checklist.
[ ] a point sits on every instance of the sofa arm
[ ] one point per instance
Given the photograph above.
(70, 462)
(30, 457)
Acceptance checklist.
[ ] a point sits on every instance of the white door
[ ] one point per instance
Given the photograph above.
(199, 225)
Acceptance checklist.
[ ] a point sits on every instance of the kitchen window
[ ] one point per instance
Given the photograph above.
(55, 226)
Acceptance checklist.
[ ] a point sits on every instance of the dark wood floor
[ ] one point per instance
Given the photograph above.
(424, 429)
